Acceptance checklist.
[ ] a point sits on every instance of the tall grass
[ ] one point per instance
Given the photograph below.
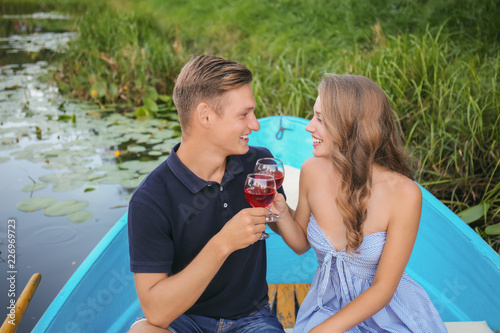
(118, 57)
(448, 103)
(437, 61)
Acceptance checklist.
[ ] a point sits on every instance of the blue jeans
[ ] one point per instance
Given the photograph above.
(262, 321)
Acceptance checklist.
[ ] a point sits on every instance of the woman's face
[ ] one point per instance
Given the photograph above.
(321, 141)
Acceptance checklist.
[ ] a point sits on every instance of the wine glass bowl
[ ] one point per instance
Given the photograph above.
(272, 166)
(260, 190)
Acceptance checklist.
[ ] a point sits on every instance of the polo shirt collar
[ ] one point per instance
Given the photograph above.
(194, 183)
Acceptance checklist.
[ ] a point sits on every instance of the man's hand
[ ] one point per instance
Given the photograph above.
(163, 298)
(244, 229)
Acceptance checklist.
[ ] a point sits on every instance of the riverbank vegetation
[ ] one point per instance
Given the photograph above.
(438, 61)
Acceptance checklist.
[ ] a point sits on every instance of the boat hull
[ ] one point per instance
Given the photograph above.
(460, 272)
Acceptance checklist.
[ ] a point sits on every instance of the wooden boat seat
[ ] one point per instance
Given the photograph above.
(285, 300)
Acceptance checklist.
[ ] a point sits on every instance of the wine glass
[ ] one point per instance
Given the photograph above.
(274, 167)
(260, 190)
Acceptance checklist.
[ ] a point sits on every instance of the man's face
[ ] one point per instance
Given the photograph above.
(230, 131)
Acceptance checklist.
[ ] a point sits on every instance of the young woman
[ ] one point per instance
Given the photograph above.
(360, 210)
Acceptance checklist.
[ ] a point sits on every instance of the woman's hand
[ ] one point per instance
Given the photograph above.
(279, 205)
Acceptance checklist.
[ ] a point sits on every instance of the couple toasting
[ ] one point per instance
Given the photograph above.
(194, 240)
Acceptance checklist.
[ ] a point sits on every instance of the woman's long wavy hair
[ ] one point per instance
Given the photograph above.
(359, 121)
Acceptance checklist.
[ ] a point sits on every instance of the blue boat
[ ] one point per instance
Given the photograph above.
(459, 271)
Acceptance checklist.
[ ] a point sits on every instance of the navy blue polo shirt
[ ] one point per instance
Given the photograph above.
(172, 216)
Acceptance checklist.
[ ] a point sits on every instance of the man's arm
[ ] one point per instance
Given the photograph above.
(163, 298)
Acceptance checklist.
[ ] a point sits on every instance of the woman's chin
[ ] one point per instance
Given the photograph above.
(318, 153)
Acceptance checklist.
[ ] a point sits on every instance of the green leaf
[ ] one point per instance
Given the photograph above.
(113, 89)
(64, 117)
(100, 87)
(89, 189)
(33, 187)
(165, 98)
(65, 207)
(142, 112)
(155, 153)
(150, 104)
(151, 93)
(136, 148)
(493, 229)
(131, 183)
(81, 216)
(474, 213)
(35, 203)
(67, 186)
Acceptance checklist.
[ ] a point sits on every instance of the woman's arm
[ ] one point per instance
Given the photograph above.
(292, 225)
(401, 234)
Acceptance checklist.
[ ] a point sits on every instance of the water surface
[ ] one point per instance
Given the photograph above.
(55, 147)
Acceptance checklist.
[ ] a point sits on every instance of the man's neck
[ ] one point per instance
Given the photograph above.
(205, 162)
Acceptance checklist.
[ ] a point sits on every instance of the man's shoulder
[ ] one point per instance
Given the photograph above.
(258, 152)
(154, 182)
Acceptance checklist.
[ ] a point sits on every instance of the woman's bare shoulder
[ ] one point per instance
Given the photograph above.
(397, 189)
(406, 189)
(315, 164)
(406, 199)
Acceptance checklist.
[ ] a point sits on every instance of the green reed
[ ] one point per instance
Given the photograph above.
(118, 57)
(438, 62)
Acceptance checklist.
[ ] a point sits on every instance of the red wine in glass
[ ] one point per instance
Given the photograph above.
(260, 190)
(260, 197)
(279, 176)
(272, 166)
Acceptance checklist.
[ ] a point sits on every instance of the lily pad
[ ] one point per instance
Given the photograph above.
(33, 187)
(107, 167)
(166, 146)
(166, 133)
(35, 203)
(68, 186)
(81, 216)
(131, 183)
(155, 153)
(131, 165)
(136, 149)
(55, 165)
(115, 177)
(154, 141)
(54, 178)
(65, 207)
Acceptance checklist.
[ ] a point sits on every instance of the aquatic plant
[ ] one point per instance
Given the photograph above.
(437, 61)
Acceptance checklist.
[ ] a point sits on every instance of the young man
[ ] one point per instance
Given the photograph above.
(194, 244)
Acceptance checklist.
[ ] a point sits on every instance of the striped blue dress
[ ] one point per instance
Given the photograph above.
(341, 277)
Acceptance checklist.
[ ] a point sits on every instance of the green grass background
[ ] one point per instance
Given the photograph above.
(438, 61)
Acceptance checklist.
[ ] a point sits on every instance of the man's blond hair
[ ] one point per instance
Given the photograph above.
(206, 79)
